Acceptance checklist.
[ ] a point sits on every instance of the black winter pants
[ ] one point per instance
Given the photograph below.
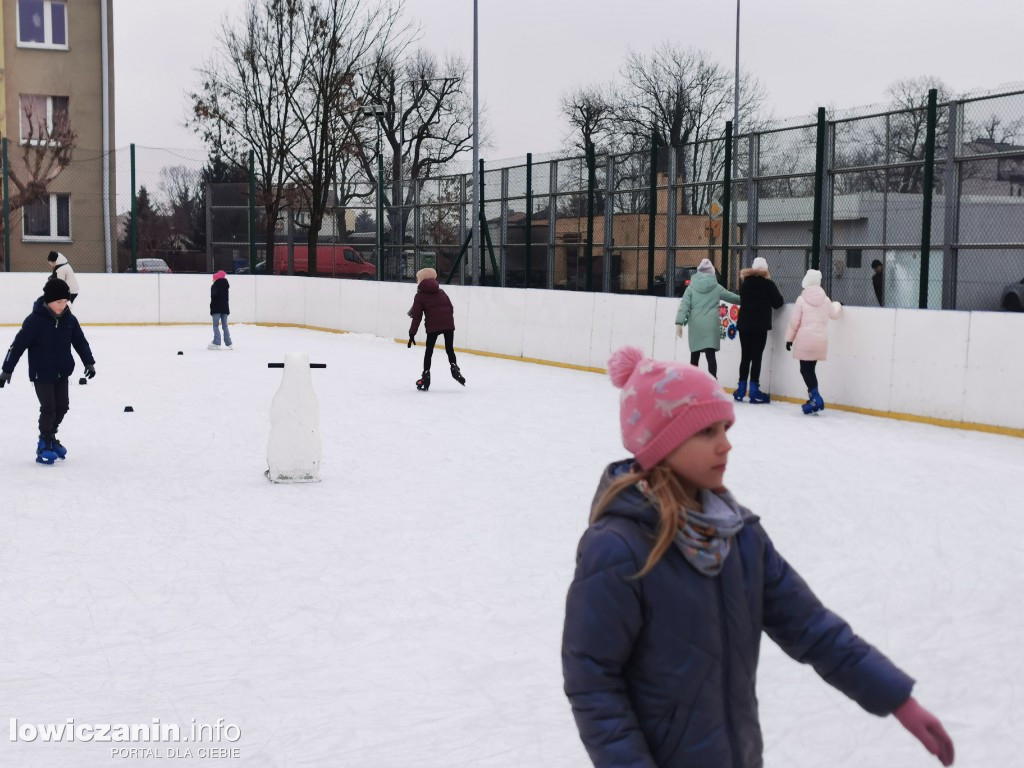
(712, 362)
(752, 345)
(53, 404)
(807, 371)
(449, 347)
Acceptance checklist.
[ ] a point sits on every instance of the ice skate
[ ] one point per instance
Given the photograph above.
(741, 392)
(814, 402)
(757, 396)
(457, 375)
(423, 383)
(213, 346)
(57, 447)
(44, 451)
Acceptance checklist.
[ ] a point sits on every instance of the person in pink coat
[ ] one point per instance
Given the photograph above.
(807, 335)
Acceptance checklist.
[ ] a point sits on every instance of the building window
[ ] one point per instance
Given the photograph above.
(48, 218)
(42, 24)
(43, 118)
(853, 258)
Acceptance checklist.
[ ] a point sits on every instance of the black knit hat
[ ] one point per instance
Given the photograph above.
(55, 289)
(52, 256)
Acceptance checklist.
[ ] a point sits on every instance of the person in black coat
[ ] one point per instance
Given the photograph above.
(48, 334)
(759, 296)
(878, 281)
(220, 309)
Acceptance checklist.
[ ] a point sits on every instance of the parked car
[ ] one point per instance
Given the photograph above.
(332, 260)
(1013, 297)
(150, 265)
(683, 275)
(261, 268)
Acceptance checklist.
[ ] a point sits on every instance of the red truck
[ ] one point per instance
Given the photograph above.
(332, 260)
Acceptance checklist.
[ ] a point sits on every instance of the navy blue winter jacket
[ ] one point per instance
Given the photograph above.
(661, 670)
(48, 339)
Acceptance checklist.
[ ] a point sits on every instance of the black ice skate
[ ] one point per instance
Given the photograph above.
(423, 383)
(457, 375)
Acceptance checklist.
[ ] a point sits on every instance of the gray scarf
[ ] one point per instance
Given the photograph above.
(705, 537)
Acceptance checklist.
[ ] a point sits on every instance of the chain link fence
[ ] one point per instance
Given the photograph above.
(920, 207)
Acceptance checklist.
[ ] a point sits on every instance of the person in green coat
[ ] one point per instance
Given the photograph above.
(699, 310)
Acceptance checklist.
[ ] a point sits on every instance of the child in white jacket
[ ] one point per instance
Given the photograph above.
(807, 335)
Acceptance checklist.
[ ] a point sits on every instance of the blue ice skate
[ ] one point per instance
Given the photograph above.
(741, 392)
(814, 402)
(44, 452)
(757, 396)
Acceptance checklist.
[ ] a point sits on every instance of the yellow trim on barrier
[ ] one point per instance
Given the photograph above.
(948, 423)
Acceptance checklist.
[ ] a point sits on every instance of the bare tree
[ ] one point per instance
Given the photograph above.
(901, 139)
(46, 150)
(248, 96)
(589, 112)
(338, 35)
(425, 125)
(683, 97)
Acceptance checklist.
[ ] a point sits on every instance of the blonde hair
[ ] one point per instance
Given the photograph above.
(663, 487)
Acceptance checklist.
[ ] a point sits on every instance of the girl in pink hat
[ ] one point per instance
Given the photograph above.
(220, 309)
(675, 583)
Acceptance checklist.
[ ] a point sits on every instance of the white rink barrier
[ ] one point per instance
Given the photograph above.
(951, 366)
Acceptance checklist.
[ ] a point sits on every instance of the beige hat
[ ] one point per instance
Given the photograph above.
(427, 273)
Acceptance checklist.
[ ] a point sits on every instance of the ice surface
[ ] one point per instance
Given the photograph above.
(407, 610)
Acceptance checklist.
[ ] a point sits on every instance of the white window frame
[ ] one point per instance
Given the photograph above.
(50, 238)
(49, 116)
(47, 27)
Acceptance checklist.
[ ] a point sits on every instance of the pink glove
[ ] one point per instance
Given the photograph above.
(927, 728)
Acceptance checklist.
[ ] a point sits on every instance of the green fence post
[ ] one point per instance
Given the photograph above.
(726, 202)
(482, 228)
(252, 219)
(134, 228)
(652, 209)
(819, 186)
(926, 197)
(7, 213)
(529, 220)
(591, 182)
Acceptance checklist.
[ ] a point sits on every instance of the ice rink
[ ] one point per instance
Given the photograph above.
(407, 611)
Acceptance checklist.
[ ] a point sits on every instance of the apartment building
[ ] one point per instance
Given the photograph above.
(58, 80)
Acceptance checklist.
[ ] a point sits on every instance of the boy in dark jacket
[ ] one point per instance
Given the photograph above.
(440, 320)
(219, 310)
(48, 334)
(759, 296)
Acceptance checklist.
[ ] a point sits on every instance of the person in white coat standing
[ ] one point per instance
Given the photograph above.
(807, 335)
(61, 268)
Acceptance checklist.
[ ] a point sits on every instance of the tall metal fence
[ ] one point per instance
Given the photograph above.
(931, 199)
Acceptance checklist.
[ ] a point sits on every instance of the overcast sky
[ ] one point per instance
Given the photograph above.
(807, 53)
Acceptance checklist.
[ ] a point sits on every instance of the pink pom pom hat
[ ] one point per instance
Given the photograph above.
(663, 404)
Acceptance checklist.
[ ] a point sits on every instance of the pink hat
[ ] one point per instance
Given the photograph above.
(218, 275)
(664, 404)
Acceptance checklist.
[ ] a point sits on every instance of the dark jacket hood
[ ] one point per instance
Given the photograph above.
(430, 285)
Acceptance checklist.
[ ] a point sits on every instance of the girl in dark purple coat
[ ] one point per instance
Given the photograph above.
(675, 584)
(440, 321)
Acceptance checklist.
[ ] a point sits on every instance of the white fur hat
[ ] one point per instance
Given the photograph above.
(813, 277)
(427, 273)
(760, 263)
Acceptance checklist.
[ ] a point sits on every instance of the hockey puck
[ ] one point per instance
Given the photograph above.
(83, 380)
(180, 352)
(129, 409)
